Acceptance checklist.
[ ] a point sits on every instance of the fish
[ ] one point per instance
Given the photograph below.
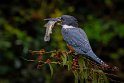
(49, 26)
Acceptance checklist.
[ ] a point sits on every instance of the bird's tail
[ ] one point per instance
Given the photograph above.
(92, 55)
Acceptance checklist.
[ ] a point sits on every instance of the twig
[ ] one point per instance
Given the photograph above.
(44, 53)
(39, 61)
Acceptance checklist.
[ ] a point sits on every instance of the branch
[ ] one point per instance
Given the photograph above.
(76, 63)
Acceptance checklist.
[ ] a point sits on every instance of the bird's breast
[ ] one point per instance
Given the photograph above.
(65, 33)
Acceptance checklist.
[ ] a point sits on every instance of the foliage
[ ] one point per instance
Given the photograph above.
(83, 69)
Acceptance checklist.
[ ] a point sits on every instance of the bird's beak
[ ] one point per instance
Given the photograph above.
(54, 19)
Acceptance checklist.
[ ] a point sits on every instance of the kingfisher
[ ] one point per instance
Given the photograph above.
(76, 38)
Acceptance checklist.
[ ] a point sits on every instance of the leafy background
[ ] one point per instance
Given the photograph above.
(21, 29)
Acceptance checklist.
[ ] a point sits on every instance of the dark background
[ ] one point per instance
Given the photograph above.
(21, 29)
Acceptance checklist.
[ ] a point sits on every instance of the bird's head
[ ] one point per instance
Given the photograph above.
(65, 20)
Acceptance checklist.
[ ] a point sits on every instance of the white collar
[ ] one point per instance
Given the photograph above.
(67, 26)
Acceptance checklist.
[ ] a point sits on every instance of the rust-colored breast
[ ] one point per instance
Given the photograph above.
(70, 48)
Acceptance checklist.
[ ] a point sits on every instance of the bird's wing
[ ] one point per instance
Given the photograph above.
(78, 39)
(83, 33)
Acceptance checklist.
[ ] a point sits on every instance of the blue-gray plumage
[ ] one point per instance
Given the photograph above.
(76, 37)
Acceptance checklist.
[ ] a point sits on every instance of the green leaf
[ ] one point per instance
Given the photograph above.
(76, 76)
(51, 69)
(102, 77)
(52, 55)
(94, 77)
(64, 59)
(105, 78)
(81, 64)
(69, 64)
(83, 68)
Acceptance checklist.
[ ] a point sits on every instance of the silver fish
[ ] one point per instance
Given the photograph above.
(49, 27)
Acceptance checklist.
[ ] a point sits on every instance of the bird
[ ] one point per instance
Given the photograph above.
(76, 38)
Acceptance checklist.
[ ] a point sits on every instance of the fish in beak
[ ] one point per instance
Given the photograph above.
(49, 26)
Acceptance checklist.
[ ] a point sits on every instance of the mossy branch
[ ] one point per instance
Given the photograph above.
(83, 69)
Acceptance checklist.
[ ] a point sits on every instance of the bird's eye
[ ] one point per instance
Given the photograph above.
(62, 19)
